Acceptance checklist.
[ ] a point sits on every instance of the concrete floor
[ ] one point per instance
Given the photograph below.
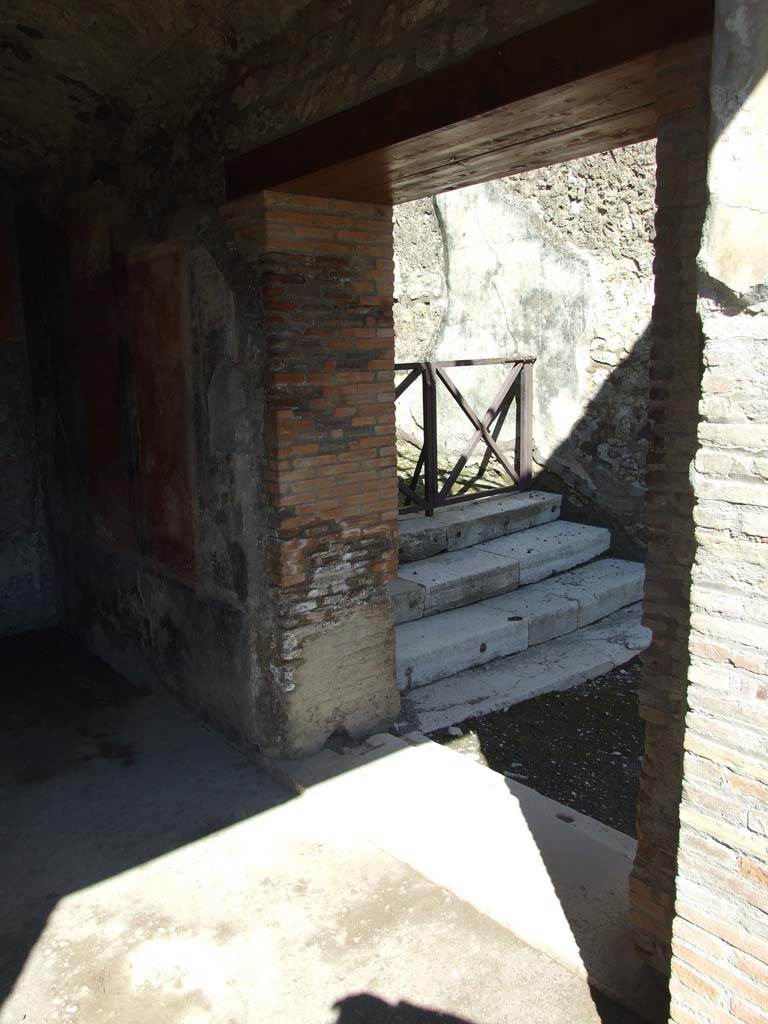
(150, 874)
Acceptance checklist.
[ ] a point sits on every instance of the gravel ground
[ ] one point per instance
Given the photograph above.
(581, 747)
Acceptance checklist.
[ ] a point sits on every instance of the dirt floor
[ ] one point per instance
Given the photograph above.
(581, 747)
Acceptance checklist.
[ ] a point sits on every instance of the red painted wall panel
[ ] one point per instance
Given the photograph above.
(162, 405)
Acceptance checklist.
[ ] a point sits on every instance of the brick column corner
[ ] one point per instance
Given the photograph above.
(326, 273)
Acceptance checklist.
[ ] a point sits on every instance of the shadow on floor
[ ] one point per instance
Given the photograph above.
(98, 776)
(368, 1009)
(565, 742)
(599, 924)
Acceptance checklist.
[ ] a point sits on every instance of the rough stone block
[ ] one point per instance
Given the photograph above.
(345, 680)
(601, 588)
(461, 577)
(545, 550)
(407, 600)
(557, 665)
(548, 615)
(442, 645)
(462, 526)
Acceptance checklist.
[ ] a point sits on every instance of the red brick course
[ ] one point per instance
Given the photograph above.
(162, 408)
(325, 269)
(327, 287)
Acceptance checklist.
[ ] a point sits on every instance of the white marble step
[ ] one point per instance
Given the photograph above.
(458, 578)
(558, 664)
(441, 645)
(474, 522)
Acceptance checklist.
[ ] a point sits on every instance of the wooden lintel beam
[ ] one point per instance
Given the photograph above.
(584, 43)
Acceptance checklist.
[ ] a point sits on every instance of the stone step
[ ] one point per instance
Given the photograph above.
(557, 664)
(572, 600)
(462, 526)
(442, 645)
(458, 578)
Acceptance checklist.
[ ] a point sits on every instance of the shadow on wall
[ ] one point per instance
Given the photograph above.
(594, 494)
(555, 264)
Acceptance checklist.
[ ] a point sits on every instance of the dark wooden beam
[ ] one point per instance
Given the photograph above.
(611, 109)
(571, 62)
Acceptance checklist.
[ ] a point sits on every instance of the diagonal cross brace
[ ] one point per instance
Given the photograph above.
(481, 426)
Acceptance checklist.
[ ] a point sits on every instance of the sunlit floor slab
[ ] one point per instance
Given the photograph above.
(553, 877)
(153, 875)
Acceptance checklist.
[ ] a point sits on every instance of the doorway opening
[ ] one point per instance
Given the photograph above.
(526, 656)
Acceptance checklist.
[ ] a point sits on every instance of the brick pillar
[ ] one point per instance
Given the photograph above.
(675, 375)
(326, 274)
(720, 943)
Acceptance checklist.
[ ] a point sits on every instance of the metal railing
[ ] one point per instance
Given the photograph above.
(425, 490)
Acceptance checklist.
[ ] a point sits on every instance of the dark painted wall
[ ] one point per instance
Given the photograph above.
(26, 598)
(146, 462)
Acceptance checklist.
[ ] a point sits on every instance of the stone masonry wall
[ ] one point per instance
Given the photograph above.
(161, 521)
(720, 937)
(675, 387)
(25, 572)
(326, 273)
(143, 363)
(220, 436)
(555, 263)
(166, 150)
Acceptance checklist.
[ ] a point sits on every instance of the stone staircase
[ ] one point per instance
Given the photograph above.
(499, 600)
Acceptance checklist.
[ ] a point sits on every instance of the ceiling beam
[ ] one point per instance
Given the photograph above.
(576, 85)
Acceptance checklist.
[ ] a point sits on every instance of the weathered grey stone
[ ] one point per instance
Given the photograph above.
(572, 599)
(441, 645)
(422, 536)
(407, 600)
(345, 680)
(457, 578)
(556, 665)
(600, 588)
(734, 250)
(460, 526)
(548, 549)
(548, 615)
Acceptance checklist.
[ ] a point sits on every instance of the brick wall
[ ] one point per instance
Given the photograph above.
(720, 938)
(326, 276)
(675, 373)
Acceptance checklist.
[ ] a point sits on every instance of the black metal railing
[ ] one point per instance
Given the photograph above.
(428, 486)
